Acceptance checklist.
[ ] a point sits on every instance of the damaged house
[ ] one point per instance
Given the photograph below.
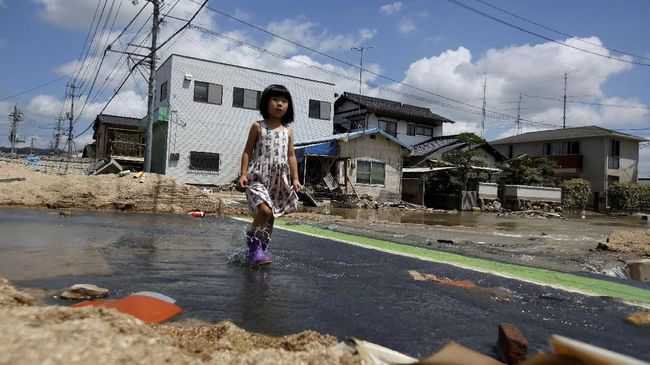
(409, 124)
(427, 160)
(365, 162)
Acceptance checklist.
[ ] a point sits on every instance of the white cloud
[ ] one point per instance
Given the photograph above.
(78, 15)
(535, 70)
(391, 8)
(2, 4)
(406, 25)
(304, 32)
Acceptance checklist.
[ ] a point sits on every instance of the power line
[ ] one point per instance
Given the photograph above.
(464, 107)
(559, 32)
(479, 12)
(37, 87)
(589, 103)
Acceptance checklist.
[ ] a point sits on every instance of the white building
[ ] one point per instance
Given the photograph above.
(211, 108)
(410, 124)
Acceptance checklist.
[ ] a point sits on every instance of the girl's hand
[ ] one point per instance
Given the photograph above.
(296, 185)
(242, 183)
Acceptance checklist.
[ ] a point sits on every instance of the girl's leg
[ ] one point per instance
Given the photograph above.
(264, 213)
(268, 230)
(255, 237)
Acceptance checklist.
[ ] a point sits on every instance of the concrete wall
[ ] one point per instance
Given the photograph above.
(594, 151)
(350, 108)
(488, 190)
(532, 193)
(379, 149)
(223, 128)
(628, 161)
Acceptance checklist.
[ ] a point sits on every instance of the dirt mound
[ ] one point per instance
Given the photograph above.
(636, 242)
(157, 193)
(32, 334)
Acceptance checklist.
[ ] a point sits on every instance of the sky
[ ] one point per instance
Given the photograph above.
(436, 53)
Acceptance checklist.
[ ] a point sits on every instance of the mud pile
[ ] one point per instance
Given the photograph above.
(32, 334)
(20, 186)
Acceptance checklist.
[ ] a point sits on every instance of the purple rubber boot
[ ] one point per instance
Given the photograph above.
(265, 244)
(256, 255)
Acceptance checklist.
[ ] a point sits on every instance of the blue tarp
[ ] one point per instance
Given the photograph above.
(326, 149)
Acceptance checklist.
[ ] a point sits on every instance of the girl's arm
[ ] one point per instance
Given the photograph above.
(253, 134)
(293, 164)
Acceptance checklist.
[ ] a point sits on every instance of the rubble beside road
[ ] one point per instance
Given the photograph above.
(110, 192)
(31, 334)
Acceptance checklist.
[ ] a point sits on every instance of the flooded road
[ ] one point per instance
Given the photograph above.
(314, 283)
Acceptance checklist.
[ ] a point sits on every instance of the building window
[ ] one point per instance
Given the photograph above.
(320, 109)
(370, 172)
(613, 162)
(206, 92)
(245, 98)
(562, 148)
(357, 123)
(388, 127)
(163, 91)
(424, 131)
(206, 161)
(410, 129)
(611, 180)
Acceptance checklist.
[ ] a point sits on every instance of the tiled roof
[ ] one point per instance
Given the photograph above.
(432, 145)
(442, 144)
(396, 109)
(116, 120)
(567, 133)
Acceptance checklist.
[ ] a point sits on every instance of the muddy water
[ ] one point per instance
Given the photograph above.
(313, 283)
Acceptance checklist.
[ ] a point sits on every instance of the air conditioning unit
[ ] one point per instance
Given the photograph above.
(175, 156)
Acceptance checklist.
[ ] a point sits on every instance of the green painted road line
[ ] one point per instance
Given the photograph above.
(555, 279)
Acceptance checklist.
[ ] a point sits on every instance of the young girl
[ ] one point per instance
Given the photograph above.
(267, 160)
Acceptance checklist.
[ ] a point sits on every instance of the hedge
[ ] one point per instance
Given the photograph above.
(629, 196)
(575, 193)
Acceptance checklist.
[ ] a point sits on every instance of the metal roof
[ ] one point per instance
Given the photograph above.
(566, 133)
(116, 120)
(390, 108)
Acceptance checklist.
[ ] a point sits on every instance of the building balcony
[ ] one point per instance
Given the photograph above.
(567, 162)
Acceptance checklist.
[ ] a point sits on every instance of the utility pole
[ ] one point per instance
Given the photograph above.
(361, 49)
(14, 117)
(31, 147)
(70, 116)
(57, 135)
(564, 113)
(518, 129)
(152, 84)
(484, 105)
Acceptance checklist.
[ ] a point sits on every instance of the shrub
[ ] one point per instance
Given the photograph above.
(629, 196)
(575, 193)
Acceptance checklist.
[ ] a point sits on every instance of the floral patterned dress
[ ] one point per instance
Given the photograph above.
(268, 173)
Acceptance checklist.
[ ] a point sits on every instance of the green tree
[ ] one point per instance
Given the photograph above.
(529, 170)
(463, 176)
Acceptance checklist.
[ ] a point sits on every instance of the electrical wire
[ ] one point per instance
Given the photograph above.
(560, 33)
(367, 71)
(589, 103)
(479, 12)
(37, 87)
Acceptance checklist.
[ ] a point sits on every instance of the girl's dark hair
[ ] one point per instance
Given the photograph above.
(276, 90)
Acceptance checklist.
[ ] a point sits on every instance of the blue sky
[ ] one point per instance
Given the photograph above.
(435, 45)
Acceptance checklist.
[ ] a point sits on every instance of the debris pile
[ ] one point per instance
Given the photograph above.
(636, 242)
(138, 193)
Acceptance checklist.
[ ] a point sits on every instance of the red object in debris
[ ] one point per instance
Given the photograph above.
(143, 307)
(198, 214)
(513, 344)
